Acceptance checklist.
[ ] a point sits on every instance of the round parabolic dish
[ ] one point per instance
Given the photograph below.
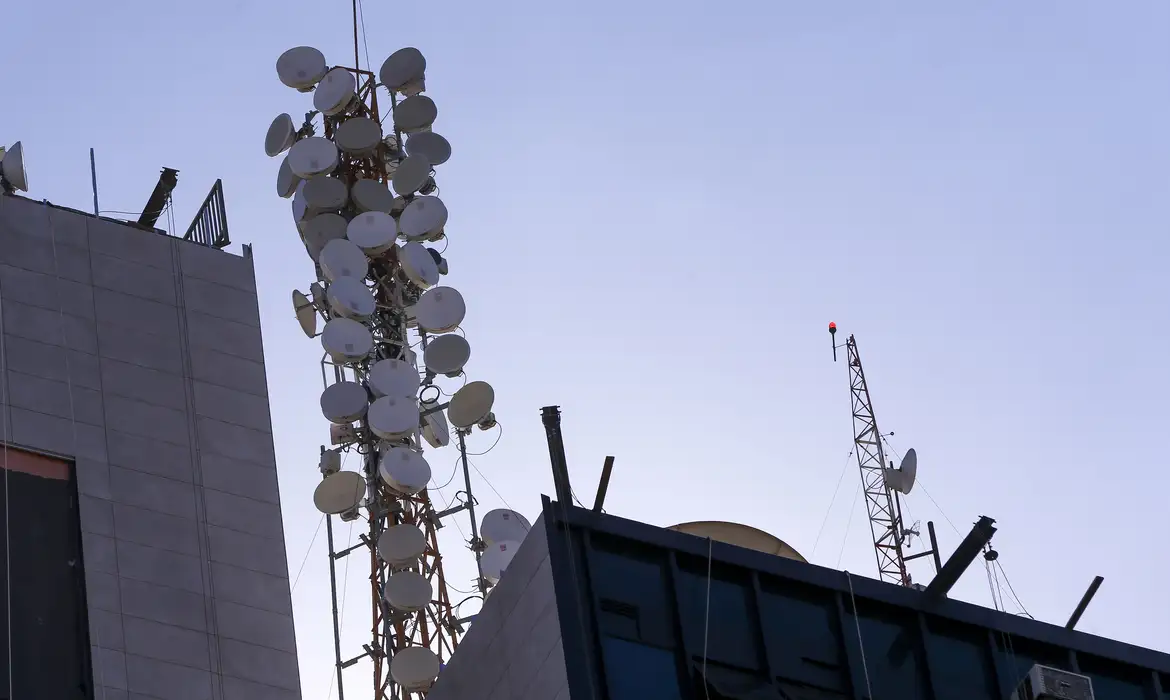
(423, 218)
(344, 402)
(371, 195)
(504, 525)
(401, 545)
(404, 470)
(435, 430)
(408, 591)
(346, 341)
(440, 309)
(418, 265)
(319, 230)
(339, 492)
(414, 668)
(393, 378)
(306, 313)
(411, 175)
(324, 193)
(471, 404)
(281, 135)
(300, 208)
(431, 146)
(312, 156)
(301, 67)
(393, 417)
(496, 559)
(447, 354)
(286, 180)
(350, 298)
(374, 232)
(341, 258)
(403, 67)
(335, 92)
(358, 136)
(415, 113)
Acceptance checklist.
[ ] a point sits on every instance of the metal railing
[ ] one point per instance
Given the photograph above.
(210, 226)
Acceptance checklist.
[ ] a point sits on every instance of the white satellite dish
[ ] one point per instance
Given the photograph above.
(412, 175)
(282, 134)
(300, 208)
(393, 378)
(902, 479)
(418, 265)
(471, 404)
(496, 559)
(447, 355)
(306, 313)
(301, 67)
(346, 341)
(286, 180)
(393, 417)
(408, 591)
(339, 492)
(335, 92)
(350, 298)
(414, 668)
(403, 469)
(504, 525)
(341, 258)
(319, 230)
(401, 545)
(12, 170)
(374, 232)
(344, 402)
(325, 194)
(435, 429)
(423, 219)
(371, 195)
(358, 136)
(415, 113)
(439, 310)
(312, 156)
(404, 71)
(430, 146)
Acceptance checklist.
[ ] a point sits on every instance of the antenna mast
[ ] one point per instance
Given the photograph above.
(885, 517)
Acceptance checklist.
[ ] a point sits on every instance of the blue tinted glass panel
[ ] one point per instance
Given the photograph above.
(1016, 658)
(632, 596)
(803, 636)
(1112, 681)
(730, 627)
(960, 660)
(639, 672)
(893, 659)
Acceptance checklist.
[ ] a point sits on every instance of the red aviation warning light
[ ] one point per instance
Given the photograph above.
(833, 338)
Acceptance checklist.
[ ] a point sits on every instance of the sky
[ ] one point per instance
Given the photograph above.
(657, 208)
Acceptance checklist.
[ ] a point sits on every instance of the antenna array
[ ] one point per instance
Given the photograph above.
(364, 203)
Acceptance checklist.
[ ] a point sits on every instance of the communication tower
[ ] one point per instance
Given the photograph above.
(880, 482)
(364, 204)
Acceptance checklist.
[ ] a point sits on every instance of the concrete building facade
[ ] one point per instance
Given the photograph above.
(137, 358)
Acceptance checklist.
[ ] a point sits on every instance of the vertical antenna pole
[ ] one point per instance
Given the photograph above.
(356, 60)
(476, 545)
(93, 178)
(551, 415)
(333, 590)
(934, 546)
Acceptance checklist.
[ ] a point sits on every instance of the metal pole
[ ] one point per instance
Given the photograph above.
(1076, 616)
(336, 620)
(551, 416)
(93, 178)
(934, 546)
(476, 545)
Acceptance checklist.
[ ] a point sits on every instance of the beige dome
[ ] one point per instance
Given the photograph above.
(740, 536)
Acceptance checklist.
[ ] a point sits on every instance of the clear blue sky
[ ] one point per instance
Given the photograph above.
(655, 210)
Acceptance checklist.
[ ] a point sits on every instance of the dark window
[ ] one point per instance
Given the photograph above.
(631, 592)
(804, 642)
(892, 657)
(726, 626)
(1018, 656)
(640, 672)
(1112, 681)
(960, 660)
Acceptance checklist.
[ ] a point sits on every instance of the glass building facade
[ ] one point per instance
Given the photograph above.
(651, 614)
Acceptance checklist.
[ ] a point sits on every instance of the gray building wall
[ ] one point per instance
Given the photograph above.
(512, 650)
(139, 356)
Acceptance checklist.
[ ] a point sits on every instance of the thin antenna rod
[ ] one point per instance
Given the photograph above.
(551, 416)
(603, 486)
(476, 544)
(93, 178)
(1085, 599)
(333, 591)
(356, 60)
